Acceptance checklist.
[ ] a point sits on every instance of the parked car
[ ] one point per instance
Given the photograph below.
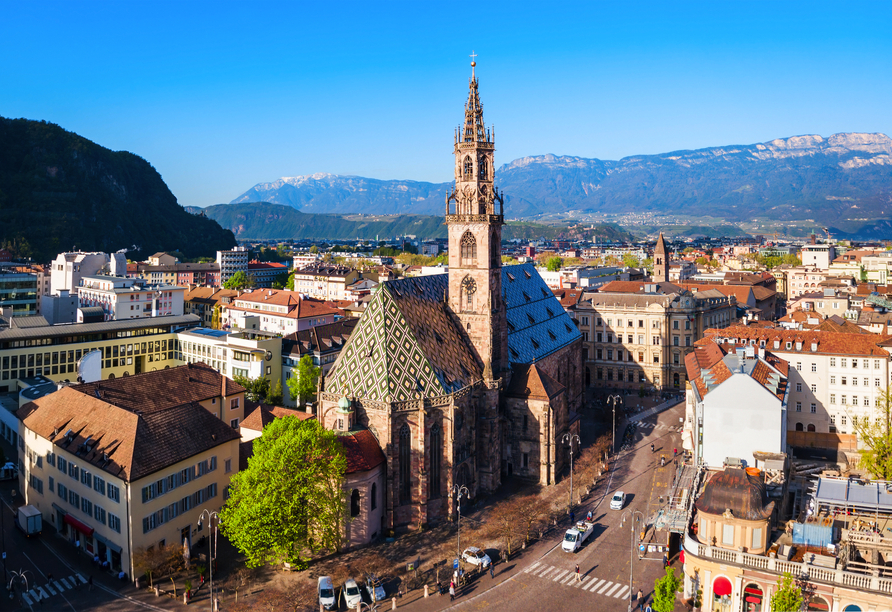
(475, 556)
(374, 588)
(326, 593)
(352, 594)
(618, 501)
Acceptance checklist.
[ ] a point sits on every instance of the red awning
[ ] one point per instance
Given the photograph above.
(681, 557)
(721, 586)
(78, 525)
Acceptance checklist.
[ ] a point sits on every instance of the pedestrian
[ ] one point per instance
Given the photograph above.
(49, 577)
(674, 453)
(90, 582)
(651, 447)
(452, 591)
(492, 572)
(578, 577)
(665, 561)
(640, 599)
(572, 518)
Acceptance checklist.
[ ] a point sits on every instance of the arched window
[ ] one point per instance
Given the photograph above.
(354, 503)
(495, 251)
(469, 167)
(374, 495)
(817, 604)
(675, 380)
(811, 427)
(753, 596)
(436, 449)
(483, 168)
(798, 426)
(468, 248)
(405, 451)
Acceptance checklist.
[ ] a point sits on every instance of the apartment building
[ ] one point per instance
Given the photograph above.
(123, 465)
(18, 291)
(802, 279)
(819, 256)
(878, 267)
(322, 343)
(232, 261)
(129, 346)
(834, 377)
(67, 269)
(636, 334)
(265, 273)
(279, 311)
(202, 301)
(324, 281)
(128, 298)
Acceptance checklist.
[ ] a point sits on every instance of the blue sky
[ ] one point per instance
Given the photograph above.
(219, 96)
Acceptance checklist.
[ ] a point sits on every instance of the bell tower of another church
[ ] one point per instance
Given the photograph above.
(661, 261)
(475, 238)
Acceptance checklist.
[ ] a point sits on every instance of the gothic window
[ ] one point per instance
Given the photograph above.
(436, 448)
(404, 455)
(495, 251)
(468, 248)
(354, 503)
(483, 168)
(469, 168)
(374, 495)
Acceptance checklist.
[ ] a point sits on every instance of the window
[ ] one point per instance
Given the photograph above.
(757, 538)
(814, 388)
(842, 362)
(674, 340)
(799, 386)
(728, 535)
(99, 514)
(436, 450)
(799, 365)
(833, 362)
(798, 406)
(854, 400)
(62, 491)
(876, 382)
(87, 506)
(114, 494)
(52, 483)
(842, 419)
(814, 408)
(832, 398)
(227, 466)
(234, 423)
(233, 404)
(833, 380)
(354, 503)
(86, 478)
(854, 381)
(814, 367)
(374, 495)
(842, 400)
(876, 364)
(98, 485)
(74, 499)
(36, 484)
(73, 471)
(842, 380)
(468, 247)
(405, 464)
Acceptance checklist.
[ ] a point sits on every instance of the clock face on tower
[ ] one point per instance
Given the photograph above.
(469, 285)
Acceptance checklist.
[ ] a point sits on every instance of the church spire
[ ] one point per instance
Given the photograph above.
(661, 261)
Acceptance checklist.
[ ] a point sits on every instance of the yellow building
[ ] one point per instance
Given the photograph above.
(124, 464)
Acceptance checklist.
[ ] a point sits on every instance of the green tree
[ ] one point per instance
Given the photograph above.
(275, 396)
(648, 264)
(554, 264)
(665, 589)
(215, 317)
(261, 390)
(787, 597)
(239, 280)
(302, 384)
(289, 503)
(876, 436)
(631, 261)
(290, 284)
(282, 279)
(703, 261)
(314, 249)
(507, 260)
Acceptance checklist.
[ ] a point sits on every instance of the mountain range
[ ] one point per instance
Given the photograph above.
(60, 191)
(832, 180)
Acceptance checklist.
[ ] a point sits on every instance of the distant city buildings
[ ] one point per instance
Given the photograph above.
(232, 261)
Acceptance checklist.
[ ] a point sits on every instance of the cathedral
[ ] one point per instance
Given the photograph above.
(466, 378)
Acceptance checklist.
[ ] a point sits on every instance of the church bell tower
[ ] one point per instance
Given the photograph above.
(475, 238)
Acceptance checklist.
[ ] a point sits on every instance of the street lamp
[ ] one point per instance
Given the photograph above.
(460, 491)
(568, 439)
(211, 515)
(613, 399)
(20, 576)
(634, 519)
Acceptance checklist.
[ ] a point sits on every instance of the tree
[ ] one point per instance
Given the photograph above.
(275, 395)
(238, 281)
(876, 436)
(787, 597)
(507, 260)
(215, 317)
(665, 589)
(505, 517)
(302, 384)
(314, 249)
(282, 279)
(290, 501)
(290, 284)
(631, 261)
(261, 390)
(554, 264)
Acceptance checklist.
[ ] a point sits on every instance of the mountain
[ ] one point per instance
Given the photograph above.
(265, 221)
(60, 191)
(829, 180)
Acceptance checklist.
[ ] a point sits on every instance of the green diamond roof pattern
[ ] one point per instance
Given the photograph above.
(405, 344)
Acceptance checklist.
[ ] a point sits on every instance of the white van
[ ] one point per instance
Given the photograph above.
(326, 593)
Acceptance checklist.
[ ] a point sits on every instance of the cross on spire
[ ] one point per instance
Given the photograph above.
(473, 57)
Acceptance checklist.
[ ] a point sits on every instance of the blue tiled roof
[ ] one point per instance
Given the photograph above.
(537, 323)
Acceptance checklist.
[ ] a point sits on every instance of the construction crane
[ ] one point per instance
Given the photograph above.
(826, 231)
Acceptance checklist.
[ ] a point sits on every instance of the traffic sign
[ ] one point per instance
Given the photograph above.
(455, 564)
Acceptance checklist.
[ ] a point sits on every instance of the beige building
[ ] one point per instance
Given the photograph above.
(636, 334)
(278, 311)
(121, 465)
(324, 281)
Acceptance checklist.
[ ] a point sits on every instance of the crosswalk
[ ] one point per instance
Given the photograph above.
(566, 577)
(646, 425)
(54, 587)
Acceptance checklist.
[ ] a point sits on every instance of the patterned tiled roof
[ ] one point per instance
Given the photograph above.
(537, 323)
(405, 346)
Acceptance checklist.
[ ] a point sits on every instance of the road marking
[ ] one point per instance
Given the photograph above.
(613, 588)
(560, 575)
(581, 582)
(603, 588)
(532, 567)
(570, 576)
(43, 594)
(81, 578)
(50, 589)
(595, 586)
(26, 598)
(622, 592)
(58, 586)
(543, 570)
(67, 585)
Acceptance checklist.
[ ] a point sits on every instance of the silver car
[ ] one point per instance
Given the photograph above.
(352, 594)
(374, 588)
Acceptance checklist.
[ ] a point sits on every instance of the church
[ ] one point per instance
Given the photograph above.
(466, 378)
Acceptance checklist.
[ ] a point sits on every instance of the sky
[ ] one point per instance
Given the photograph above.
(219, 96)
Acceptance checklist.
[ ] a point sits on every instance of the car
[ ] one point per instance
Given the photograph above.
(475, 556)
(326, 592)
(618, 500)
(352, 594)
(374, 588)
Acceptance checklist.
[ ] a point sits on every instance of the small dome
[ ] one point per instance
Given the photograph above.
(344, 404)
(735, 490)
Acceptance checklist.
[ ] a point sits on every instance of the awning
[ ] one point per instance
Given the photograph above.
(108, 543)
(84, 529)
(721, 586)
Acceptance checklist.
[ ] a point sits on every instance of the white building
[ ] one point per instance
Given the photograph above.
(818, 255)
(130, 298)
(232, 261)
(736, 404)
(278, 311)
(68, 269)
(305, 259)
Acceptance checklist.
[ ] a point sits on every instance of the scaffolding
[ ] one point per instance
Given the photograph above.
(673, 516)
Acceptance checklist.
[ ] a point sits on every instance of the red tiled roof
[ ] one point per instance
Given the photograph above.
(362, 450)
(262, 415)
(741, 292)
(636, 287)
(833, 343)
(568, 297)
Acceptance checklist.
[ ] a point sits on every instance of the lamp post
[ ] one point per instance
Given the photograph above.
(568, 439)
(634, 519)
(211, 515)
(460, 491)
(613, 399)
(20, 576)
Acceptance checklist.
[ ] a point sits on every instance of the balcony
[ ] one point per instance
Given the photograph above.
(832, 576)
